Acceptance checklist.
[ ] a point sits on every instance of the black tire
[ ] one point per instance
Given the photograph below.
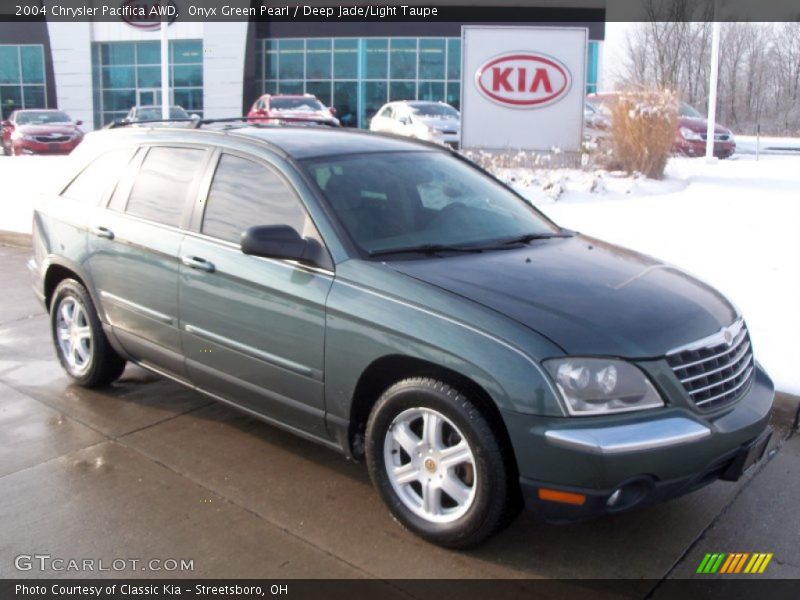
(493, 504)
(103, 365)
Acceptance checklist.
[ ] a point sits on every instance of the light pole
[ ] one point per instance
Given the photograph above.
(712, 91)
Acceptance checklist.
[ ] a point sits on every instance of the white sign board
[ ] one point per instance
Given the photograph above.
(522, 87)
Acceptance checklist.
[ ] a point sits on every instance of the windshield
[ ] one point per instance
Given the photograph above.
(154, 113)
(301, 104)
(442, 111)
(395, 200)
(689, 111)
(42, 117)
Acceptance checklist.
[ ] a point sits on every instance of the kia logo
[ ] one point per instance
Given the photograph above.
(147, 15)
(523, 80)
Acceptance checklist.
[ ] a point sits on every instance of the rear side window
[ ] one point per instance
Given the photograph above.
(163, 183)
(244, 194)
(97, 180)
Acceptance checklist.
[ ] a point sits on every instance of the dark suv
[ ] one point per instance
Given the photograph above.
(388, 299)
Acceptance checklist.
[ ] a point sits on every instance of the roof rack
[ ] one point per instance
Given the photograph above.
(246, 122)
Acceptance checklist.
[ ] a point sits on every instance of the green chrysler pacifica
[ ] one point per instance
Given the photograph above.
(390, 300)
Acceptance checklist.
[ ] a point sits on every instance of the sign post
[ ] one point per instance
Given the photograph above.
(523, 88)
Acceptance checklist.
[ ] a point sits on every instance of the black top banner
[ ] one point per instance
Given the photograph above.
(148, 13)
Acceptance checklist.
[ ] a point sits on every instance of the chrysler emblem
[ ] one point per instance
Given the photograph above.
(728, 336)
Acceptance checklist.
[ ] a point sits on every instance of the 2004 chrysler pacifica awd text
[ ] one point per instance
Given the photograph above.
(389, 299)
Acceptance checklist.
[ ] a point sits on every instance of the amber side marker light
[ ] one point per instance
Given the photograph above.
(563, 497)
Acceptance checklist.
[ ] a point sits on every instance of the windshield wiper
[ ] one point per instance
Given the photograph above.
(425, 249)
(530, 237)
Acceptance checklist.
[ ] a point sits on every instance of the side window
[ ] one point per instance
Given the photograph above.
(387, 112)
(96, 180)
(243, 194)
(163, 183)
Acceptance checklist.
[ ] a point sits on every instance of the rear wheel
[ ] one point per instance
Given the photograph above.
(81, 344)
(436, 463)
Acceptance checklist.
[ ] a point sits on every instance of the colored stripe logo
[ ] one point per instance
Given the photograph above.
(734, 562)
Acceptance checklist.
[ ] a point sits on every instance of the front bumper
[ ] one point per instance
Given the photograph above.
(722, 149)
(22, 147)
(652, 456)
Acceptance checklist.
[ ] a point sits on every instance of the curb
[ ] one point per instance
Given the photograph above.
(13, 238)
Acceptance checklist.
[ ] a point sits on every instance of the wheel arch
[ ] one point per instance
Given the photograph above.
(385, 371)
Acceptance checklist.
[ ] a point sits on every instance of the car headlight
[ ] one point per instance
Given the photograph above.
(690, 135)
(592, 386)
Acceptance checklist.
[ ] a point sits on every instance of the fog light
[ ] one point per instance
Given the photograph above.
(614, 498)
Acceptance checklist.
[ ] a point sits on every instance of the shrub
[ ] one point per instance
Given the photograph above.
(643, 129)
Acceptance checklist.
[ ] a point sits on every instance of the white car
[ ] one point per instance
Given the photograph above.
(421, 119)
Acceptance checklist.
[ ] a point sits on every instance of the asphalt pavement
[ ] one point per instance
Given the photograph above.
(146, 469)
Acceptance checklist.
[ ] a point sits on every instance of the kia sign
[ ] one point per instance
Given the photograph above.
(523, 80)
(523, 87)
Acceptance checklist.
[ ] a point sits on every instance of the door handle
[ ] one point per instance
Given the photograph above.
(103, 232)
(195, 262)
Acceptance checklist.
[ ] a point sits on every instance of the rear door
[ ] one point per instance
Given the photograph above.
(134, 244)
(254, 328)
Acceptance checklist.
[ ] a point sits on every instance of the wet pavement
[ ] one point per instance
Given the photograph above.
(147, 469)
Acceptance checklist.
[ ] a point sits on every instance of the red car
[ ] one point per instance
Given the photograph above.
(40, 131)
(271, 108)
(690, 138)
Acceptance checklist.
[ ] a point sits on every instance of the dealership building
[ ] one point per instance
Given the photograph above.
(97, 70)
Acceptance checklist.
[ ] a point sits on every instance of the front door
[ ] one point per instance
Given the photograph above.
(148, 96)
(253, 329)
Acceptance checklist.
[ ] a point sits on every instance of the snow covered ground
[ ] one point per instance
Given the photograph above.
(733, 223)
(746, 144)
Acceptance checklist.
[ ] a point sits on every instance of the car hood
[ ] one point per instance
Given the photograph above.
(586, 296)
(700, 125)
(60, 128)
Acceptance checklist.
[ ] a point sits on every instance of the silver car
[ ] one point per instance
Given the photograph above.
(421, 119)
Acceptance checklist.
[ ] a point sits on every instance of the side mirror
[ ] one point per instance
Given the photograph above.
(281, 241)
(6, 123)
(405, 120)
(78, 123)
(332, 110)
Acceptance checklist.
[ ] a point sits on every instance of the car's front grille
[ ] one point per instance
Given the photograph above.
(52, 139)
(717, 369)
(718, 137)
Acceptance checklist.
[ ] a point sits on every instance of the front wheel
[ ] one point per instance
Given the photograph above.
(78, 336)
(436, 463)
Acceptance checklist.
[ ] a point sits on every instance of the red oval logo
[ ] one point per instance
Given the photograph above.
(523, 80)
(142, 14)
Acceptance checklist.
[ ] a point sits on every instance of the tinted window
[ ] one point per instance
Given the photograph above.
(161, 188)
(299, 104)
(99, 177)
(244, 194)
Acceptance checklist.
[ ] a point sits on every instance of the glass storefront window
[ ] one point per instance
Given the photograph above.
(345, 59)
(404, 58)
(377, 60)
(33, 96)
(290, 59)
(318, 59)
(118, 53)
(431, 58)
(321, 89)
(129, 73)
(345, 99)
(431, 90)
(148, 53)
(9, 64)
(402, 90)
(32, 60)
(453, 97)
(454, 58)
(374, 98)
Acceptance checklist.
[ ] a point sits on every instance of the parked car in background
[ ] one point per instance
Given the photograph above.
(298, 109)
(152, 112)
(690, 138)
(421, 119)
(40, 131)
(392, 301)
(596, 124)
